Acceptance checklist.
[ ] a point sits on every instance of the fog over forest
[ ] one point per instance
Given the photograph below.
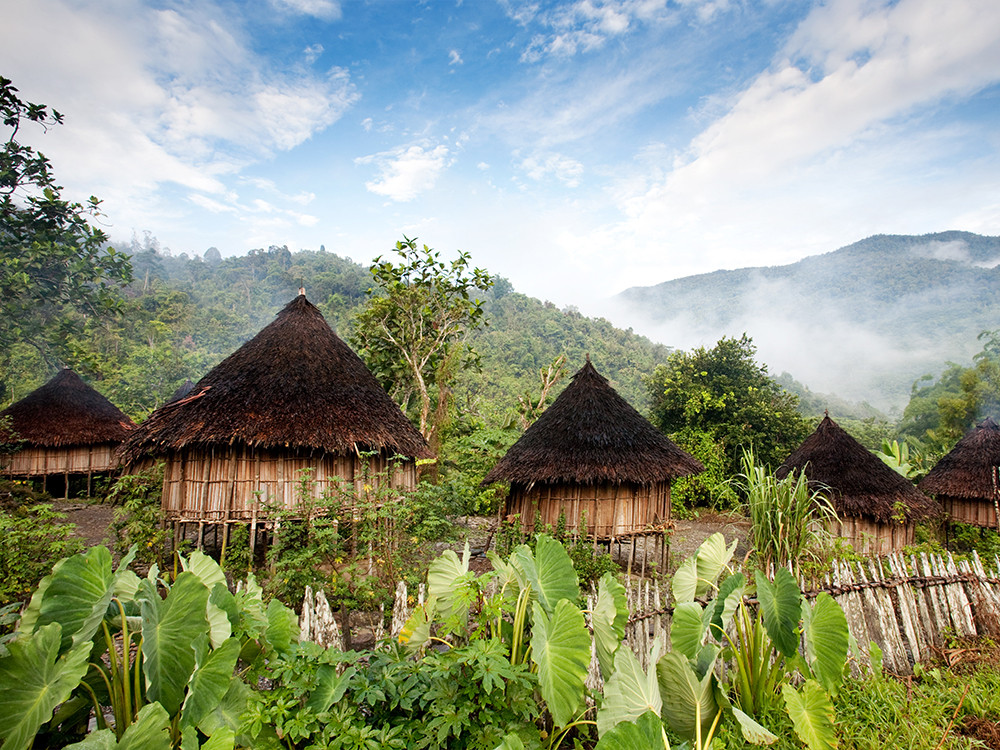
(864, 322)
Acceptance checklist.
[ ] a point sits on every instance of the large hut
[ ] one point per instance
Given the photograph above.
(966, 482)
(294, 403)
(594, 459)
(67, 432)
(878, 508)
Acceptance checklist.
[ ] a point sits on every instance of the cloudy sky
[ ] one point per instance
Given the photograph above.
(577, 148)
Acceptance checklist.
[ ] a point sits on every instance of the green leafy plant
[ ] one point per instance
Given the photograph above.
(32, 538)
(788, 520)
(534, 611)
(159, 657)
(138, 517)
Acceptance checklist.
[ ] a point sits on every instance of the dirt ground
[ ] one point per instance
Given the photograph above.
(93, 525)
(92, 521)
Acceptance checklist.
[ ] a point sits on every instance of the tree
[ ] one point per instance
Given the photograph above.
(55, 267)
(941, 411)
(413, 329)
(725, 394)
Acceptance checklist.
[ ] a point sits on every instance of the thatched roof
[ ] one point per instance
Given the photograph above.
(969, 469)
(66, 411)
(182, 390)
(591, 434)
(855, 480)
(296, 385)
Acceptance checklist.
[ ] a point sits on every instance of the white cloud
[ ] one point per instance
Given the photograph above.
(807, 140)
(565, 169)
(168, 97)
(454, 58)
(407, 171)
(327, 10)
(312, 53)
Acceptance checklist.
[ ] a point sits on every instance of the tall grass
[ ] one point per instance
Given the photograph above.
(788, 520)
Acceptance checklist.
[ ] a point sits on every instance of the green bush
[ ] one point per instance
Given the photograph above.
(138, 517)
(32, 538)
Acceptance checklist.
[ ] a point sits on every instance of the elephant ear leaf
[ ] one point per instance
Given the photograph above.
(687, 700)
(811, 712)
(629, 694)
(780, 607)
(826, 641)
(170, 628)
(34, 679)
(448, 582)
(646, 733)
(560, 648)
(550, 572)
(609, 617)
(76, 595)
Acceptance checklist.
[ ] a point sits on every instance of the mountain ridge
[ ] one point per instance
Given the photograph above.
(864, 321)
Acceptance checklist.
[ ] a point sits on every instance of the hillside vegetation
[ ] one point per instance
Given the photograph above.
(182, 315)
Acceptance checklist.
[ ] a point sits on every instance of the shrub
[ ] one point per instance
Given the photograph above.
(32, 538)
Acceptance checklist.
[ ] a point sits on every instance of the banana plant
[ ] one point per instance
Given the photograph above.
(151, 652)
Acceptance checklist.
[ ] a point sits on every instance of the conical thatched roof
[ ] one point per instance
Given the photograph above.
(66, 411)
(968, 471)
(855, 480)
(295, 384)
(591, 434)
(182, 390)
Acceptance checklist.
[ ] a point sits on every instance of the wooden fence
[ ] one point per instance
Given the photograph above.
(908, 606)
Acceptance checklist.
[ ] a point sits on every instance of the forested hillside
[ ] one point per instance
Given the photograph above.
(182, 315)
(864, 321)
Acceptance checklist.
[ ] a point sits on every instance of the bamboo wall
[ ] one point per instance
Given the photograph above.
(976, 512)
(34, 461)
(612, 510)
(220, 484)
(874, 539)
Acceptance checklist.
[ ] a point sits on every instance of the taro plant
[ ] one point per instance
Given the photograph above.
(530, 604)
(158, 657)
(693, 688)
(761, 643)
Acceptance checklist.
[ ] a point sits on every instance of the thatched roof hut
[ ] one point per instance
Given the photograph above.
(66, 428)
(182, 390)
(293, 398)
(878, 508)
(966, 482)
(591, 453)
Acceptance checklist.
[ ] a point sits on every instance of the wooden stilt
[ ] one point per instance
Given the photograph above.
(253, 532)
(201, 535)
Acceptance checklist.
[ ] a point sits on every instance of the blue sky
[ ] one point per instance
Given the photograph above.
(577, 148)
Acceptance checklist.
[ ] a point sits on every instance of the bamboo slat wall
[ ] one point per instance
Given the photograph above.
(221, 484)
(33, 461)
(872, 539)
(976, 512)
(611, 511)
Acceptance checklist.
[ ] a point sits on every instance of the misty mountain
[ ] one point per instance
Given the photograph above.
(864, 321)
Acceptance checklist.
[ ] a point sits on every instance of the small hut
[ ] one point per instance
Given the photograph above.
(878, 508)
(966, 482)
(67, 432)
(294, 403)
(594, 459)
